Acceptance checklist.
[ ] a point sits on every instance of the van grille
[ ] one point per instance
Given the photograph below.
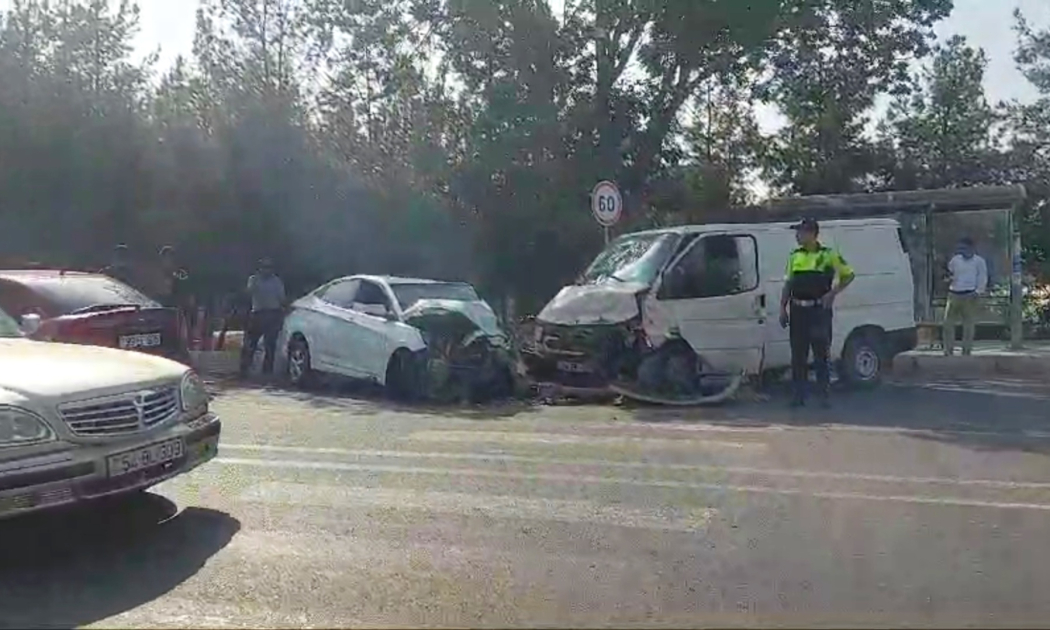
(121, 414)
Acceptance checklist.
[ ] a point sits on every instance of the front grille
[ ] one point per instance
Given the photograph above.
(581, 340)
(121, 414)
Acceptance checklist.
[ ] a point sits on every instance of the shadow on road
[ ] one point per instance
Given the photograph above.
(351, 395)
(998, 415)
(74, 567)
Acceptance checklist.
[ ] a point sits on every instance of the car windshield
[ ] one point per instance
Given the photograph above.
(82, 294)
(8, 326)
(632, 258)
(409, 294)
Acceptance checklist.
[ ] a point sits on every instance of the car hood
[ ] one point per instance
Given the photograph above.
(55, 370)
(605, 303)
(453, 317)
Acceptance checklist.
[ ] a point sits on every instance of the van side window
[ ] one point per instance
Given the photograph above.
(723, 264)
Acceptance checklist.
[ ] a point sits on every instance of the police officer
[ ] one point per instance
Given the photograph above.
(806, 305)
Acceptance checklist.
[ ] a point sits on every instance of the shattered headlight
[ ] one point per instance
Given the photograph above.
(19, 427)
(193, 393)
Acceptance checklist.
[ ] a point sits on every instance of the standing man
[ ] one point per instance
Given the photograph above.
(266, 292)
(807, 304)
(172, 290)
(968, 274)
(119, 266)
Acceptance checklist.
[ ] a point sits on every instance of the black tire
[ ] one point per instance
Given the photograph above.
(300, 369)
(401, 382)
(864, 359)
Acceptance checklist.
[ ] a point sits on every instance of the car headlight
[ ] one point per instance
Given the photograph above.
(193, 393)
(19, 427)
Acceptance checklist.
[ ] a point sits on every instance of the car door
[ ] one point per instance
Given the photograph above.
(375, 318)
(713, 295)
(333, 329)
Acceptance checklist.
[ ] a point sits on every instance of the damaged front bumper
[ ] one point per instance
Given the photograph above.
(467, 355)
(584, 358)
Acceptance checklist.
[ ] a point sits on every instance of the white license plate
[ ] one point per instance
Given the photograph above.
(130, 461)
(575, 368)
(148, 340)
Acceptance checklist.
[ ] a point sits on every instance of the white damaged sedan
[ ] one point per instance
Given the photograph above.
(82, 422)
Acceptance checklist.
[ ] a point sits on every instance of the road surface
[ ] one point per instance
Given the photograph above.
(923, 506)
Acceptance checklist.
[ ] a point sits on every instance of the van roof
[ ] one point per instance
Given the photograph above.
(768, 227)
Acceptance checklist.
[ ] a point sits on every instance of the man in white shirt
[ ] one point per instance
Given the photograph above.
(968, 274)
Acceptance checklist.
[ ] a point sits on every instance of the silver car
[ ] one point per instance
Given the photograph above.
(80, 422)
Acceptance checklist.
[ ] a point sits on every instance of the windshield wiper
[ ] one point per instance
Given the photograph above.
(97, 308)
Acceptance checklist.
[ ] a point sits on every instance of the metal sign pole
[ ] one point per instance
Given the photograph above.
(605, 230)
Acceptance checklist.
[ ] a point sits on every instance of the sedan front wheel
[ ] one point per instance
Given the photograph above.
(300, 372)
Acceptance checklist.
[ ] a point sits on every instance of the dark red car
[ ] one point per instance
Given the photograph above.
(92, 309)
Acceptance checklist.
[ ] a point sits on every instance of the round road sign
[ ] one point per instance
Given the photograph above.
(606, 203)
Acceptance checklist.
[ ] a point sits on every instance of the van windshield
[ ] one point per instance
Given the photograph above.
(632, 258)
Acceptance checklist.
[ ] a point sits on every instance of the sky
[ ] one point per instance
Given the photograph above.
(167, 26)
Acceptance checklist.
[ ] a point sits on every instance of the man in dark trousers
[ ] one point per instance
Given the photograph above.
(266, 292)
(807, 303)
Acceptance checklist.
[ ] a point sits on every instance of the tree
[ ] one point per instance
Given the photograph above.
(723, 145)
(827, 69)
(942, 131)
(1030, 143)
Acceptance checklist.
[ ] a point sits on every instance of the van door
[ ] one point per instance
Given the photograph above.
(712, 294)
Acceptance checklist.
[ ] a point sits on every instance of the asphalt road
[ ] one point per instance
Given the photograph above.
(924, 506)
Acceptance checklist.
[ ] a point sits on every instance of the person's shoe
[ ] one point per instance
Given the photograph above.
(797, 401)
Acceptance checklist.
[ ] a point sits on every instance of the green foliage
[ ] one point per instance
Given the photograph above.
(458, 138)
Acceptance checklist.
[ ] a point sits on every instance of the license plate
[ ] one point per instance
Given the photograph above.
(575, 368)
(148, 340)
(130, 461)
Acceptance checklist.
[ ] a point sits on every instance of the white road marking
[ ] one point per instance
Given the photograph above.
(588, 479)
(492, 506)
(743, 470)
(511, 437)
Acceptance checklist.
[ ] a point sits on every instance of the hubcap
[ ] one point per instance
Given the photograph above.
(296, 364)
(866, 364)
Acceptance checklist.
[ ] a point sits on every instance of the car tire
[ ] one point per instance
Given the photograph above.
(299, 369)
(864, 359)
(400, 383)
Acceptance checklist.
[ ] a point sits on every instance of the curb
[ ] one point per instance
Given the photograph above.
(1029, 367)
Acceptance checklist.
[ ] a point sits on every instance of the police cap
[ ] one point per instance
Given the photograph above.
(808, 224)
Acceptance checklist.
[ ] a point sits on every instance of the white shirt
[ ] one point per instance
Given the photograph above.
(968, 274)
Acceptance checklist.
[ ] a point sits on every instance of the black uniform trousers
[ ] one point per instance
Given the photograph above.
(264, 324)
(810, 329)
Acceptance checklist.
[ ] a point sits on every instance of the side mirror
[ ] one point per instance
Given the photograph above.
(31, 323)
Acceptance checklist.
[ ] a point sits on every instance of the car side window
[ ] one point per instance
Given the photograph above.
(371, 294)
(718, 265)
(340, 294)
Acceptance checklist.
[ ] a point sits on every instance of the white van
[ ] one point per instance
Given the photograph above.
(714, 291)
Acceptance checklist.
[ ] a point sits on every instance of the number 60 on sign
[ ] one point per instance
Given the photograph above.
(606, 203)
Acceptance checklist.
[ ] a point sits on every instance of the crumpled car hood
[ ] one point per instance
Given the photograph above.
(454, 318)
(606, 303)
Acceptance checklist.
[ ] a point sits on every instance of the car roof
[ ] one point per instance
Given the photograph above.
(29, 275)
(393, 280)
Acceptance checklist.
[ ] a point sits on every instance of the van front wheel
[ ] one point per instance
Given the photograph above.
(863, 359)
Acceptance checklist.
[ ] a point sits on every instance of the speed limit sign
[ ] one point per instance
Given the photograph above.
(606, 203)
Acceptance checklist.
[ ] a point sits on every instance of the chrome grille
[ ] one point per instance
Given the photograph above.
(121, 414)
